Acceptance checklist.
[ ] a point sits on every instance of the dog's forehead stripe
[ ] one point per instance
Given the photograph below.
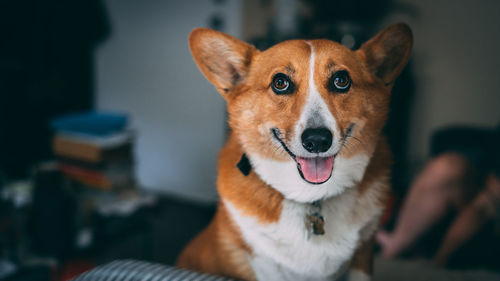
(314, 115)
(315, 112)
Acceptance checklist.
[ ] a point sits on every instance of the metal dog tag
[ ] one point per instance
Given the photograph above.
(315, 222)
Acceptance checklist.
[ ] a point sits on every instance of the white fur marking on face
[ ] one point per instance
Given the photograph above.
(356, 275)
(314, 115)
(284, 177)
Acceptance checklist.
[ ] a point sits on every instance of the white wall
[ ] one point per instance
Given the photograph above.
(456, 66)
(145, 69)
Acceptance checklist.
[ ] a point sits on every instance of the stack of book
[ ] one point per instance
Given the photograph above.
(95, 149)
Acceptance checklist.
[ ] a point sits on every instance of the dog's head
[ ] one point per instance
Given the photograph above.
(308, 114)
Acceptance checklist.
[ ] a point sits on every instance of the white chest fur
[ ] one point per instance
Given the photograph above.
(283, 251)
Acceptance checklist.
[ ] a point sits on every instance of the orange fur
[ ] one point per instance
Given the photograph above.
(218, 249)
(242, 75)
(363, 258)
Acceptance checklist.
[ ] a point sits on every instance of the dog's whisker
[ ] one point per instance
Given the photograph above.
(353, 137)
(277, 149)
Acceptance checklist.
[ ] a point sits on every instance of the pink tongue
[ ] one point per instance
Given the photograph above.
(316, 170)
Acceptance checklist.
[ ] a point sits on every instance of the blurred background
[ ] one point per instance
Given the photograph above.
(109, 134)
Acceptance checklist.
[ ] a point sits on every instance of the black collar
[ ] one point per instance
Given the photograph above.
(244, 165)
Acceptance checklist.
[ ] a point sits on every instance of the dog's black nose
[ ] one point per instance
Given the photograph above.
(316, 140)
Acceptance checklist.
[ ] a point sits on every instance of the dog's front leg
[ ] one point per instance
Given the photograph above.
(362, 263)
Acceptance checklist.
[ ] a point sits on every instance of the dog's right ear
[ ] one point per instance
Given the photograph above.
(223, 59)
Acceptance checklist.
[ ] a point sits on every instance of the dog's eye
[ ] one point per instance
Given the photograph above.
(340, 82)
(281, 84)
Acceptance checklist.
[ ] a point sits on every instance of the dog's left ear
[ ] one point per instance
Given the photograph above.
(223, 59)
(387, 53)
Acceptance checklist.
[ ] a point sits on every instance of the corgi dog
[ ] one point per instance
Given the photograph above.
(304, 174)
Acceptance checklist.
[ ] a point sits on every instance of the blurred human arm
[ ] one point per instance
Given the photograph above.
(483, 208)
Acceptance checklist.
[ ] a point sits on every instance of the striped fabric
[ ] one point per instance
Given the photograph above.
(133, 270)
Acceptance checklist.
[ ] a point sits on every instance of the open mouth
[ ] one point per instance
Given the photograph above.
(314, 170)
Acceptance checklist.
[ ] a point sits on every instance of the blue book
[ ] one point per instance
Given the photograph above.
(90, 123)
